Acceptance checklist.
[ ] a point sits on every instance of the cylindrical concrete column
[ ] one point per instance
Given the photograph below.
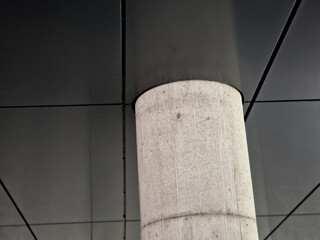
(194, 173)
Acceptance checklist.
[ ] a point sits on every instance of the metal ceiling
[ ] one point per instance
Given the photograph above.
(63, 162)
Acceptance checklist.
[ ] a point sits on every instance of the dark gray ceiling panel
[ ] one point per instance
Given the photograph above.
(133, 231)
(297, 228)
(43, 153)
(296, 71)
(258, 25)
(59, 52)
(106, 164)
(263, 227)
(45, 162)
(257, 171)
(63, 231)
(9, 214)
(191, 40)
(17, 233)
(110, 230)
(285, 138)
(133, 210)
(179, 40)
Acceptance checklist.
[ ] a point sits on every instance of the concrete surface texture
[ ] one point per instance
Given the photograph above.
(194, 173)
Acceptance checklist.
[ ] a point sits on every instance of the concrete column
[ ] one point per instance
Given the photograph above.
(194, 173)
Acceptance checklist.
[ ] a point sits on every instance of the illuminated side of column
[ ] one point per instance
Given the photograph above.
(194, 173)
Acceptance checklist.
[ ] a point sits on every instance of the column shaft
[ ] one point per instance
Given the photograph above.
(194, 173)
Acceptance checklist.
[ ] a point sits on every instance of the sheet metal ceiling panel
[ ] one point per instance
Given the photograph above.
(7, 209)
(67, 231)
(106, 165)
(178, 40)
(133, 209)
(286, 136)
(67, 52)
(44, 152)
(297, 227)
(168, 42)
(133, 232)
(258, 25)
(16, 233)
(263, 227)
(296, 71)
(45, 160)
(59, 52)
(101, 231)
